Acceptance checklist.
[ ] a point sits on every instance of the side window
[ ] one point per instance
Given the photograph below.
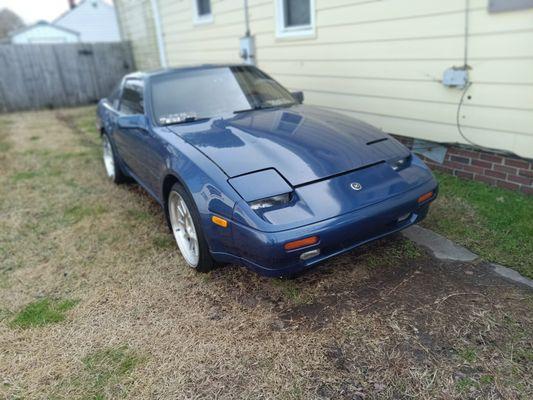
(202, 11)
(113, 98)
(131, 101)
(295, 18)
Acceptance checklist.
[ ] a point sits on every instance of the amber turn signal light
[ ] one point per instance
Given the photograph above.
(425, 197)
(301, 243)
(219, 221)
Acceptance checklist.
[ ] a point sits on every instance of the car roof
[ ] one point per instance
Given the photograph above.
(164, 71)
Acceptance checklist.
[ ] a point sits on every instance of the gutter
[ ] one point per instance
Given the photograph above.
(159, 34)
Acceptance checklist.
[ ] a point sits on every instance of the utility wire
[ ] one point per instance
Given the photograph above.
(465, 89)
(458, 115)
(468, 84)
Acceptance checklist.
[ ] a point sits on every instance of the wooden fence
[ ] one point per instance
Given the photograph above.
(34, 76)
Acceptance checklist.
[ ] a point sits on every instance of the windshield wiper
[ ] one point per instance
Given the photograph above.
(183, 120)
(254, 108)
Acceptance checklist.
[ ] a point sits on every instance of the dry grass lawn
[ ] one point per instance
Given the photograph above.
(95, 301)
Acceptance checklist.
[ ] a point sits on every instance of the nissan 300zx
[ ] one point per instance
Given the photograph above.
(247, 174)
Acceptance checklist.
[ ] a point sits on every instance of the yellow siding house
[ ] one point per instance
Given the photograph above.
(381, 61)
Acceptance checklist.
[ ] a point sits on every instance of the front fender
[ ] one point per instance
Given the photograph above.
(207, 185)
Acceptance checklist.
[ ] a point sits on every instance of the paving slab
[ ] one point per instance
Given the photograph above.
(511, 274)
(441, 247)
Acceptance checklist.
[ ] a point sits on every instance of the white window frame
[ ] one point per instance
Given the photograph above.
(201, 19)
(303, 31)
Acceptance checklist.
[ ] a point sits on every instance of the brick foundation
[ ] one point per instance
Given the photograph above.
(501, 170)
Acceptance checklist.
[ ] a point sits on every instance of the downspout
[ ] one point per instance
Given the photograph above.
(247, 42)
(246, 19)
(467, 23)
(159, 34)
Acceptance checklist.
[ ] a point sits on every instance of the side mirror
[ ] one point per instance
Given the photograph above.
(298, 96)
(136, 121)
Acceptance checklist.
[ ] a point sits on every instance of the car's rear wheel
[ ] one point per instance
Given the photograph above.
(112, 168)
(185, 225)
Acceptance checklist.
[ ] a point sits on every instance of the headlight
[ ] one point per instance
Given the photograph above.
(401, 163)
(270, 201)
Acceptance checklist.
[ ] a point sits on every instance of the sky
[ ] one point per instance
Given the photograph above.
(34, 10)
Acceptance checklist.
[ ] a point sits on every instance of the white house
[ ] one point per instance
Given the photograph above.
(95, 20)
(44, 32)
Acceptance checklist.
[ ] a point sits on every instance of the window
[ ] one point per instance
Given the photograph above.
(114, 96)
(211, 92)
(496, 6)
(202, 11)
(131, 101)
(295, 18)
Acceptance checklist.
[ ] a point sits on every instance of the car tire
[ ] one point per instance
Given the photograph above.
(112, 166)
(185, 225)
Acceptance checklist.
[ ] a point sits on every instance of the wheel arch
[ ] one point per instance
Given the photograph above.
(207, 186)
(170, 180)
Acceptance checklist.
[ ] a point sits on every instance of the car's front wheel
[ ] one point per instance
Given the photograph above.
(185, 224)
(112, 168)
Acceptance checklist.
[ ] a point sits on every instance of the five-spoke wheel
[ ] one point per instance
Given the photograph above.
(187, 229)
(109, 159)
(183, 228)
(112, 167)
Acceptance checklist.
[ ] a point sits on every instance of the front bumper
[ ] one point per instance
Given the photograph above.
(264, 252)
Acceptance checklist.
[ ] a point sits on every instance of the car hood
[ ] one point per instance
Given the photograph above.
(302, 143)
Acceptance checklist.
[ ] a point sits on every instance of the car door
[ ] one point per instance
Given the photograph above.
(143, 149)
(129, 141)
(108, 112)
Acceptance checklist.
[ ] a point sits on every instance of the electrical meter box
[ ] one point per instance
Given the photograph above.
(247, 49)
(455, 77)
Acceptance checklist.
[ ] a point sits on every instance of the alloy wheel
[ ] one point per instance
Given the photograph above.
(183, 229)
(109, 159)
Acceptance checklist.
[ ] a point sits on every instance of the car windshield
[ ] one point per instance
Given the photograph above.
(204, 93)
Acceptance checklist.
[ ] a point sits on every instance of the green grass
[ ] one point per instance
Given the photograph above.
(469, 355)
(103, 375)
(5, 145)
(106, 367)
(77, 213)
(46, 172)
(289, 288)
(291, 291)
(398, 250)
(466, 384)
(24, 176)
(71, 154)
(138, 215)
(492, 222)
(164, 242)
(42, 312)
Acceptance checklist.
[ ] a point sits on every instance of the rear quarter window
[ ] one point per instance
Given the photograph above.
(132, 100)
(114, 97)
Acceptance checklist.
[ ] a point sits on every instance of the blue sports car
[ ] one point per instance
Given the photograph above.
(247, 174)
